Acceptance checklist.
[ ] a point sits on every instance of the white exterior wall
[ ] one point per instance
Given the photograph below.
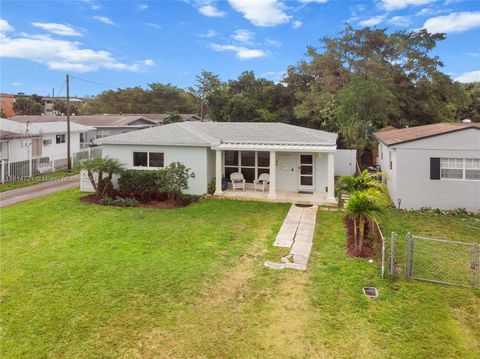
(410, 179)
(345, 162)
(59, 150)
(195, 158)
(18, 149)
(287, 170)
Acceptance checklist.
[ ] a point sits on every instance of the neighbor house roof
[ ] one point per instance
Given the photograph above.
(91, 120)
(228, 135)
(394, 137)
(42, 127)
(161, 117)
(7, 135)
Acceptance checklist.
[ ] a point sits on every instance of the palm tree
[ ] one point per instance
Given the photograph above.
(101, 166)
(364, 181)
(362, 206)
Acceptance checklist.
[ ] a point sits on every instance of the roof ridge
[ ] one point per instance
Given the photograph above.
(203, 135)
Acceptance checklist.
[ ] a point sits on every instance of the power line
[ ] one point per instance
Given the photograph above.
(94, 82)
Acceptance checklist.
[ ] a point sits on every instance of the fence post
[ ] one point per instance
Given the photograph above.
(475, 266)
(30, 164)
(3, 171)
(408, 261)
(383, 255)
(392, 252)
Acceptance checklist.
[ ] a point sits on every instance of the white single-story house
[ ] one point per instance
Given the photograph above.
(40, 139)
(297, 159)
(435, 165)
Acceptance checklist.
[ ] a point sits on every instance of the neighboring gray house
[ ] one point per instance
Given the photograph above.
(434, 166)
(298, 159)
(105, 125)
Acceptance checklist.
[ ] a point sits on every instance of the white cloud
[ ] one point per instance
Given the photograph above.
(471, 76)
(96, 7)
(296, 24)
(454, 22)
(392, 5)
(142, 7)
(241, 52)
(400, 21)
(373, 21)
(313, 1)
(208, 8)
(15, 83)
(58, 29)
(264, 13)
(104, 19)
(64, 55)
(243, 36)
(151, 24)
(5, 26)
(148, 62)
(273, 43)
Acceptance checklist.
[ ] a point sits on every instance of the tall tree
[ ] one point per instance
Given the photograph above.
(206, 83)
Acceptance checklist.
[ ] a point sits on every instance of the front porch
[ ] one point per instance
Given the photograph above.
(297, 173)
(282, 196)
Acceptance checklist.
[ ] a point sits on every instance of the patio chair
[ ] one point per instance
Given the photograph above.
(238, 181)
(262, 181)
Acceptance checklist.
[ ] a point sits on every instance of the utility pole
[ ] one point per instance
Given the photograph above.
(53, 101)
(69, 163)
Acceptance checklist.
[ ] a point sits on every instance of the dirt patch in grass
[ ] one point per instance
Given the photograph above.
(370, 241)
(183, 202)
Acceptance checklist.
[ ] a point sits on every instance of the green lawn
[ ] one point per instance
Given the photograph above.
(7, 186)
(84, 281)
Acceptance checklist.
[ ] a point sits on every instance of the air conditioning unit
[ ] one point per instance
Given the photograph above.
(47, 142)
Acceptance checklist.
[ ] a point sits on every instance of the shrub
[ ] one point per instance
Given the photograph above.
(175, 180)
(140, 180)
(211, 187)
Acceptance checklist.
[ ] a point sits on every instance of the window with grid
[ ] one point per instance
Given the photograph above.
(148, 159)
(460, 168)
(250, 163)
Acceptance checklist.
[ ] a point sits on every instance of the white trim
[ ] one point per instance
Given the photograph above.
(299, 180)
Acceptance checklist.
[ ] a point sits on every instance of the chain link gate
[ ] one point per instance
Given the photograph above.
(434, 260)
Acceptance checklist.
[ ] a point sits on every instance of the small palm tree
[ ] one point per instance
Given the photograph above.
(364, 181)
(361, 207)
(101, 166)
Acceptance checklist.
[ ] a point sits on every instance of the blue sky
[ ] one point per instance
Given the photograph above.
(130, 43)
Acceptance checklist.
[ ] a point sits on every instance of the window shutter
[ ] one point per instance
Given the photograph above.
(434, 168)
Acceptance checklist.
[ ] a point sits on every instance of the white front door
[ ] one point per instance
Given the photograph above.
(306, 172)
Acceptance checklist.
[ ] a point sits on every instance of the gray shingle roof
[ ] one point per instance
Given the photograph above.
(213, 133)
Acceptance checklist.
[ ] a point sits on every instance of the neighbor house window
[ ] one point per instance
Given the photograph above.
(60, 138)
(148, 159)
(460, 168)
(250, 163)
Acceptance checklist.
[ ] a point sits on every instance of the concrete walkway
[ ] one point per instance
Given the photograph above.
(38, 190)
(296, 233)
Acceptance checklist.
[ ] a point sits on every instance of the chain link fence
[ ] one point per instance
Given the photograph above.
(431, 259)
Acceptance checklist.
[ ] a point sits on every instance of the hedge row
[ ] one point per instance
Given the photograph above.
(140, 181)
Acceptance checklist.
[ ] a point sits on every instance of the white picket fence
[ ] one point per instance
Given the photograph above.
(15, 171)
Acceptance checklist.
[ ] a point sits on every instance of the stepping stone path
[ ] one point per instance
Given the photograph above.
(296, 233)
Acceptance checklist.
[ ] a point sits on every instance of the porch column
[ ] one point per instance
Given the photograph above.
(272, 190)
(218, 172)
(331, 176)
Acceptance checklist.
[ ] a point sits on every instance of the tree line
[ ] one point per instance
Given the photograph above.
(353, 84)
